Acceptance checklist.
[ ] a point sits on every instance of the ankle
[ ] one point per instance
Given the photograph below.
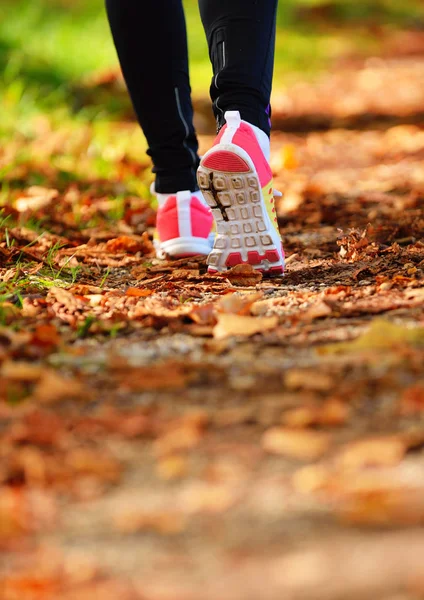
(163, 197)
(263, 140)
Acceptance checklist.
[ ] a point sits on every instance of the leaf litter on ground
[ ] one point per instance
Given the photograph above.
(147, 402)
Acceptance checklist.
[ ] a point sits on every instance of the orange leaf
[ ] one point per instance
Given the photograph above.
(381, 452)
(295, 443)
(138, 292)
(412, 400)
(45, 335)
(288, 157)
(125, 243)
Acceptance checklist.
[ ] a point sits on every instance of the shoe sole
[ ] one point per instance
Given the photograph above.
(182, 247)
(245, 235)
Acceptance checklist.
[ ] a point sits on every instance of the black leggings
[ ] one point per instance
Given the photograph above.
(150, 37)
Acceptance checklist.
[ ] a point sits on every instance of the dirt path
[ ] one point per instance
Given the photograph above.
(169, 435)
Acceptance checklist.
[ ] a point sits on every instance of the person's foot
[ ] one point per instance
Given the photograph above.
(183, 225)
(236, 181)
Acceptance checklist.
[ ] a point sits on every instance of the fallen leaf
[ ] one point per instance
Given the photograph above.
(238, 303)
(331, 413)
(381, 334)
(130, 244)
(162, 522)
(35, 198)
(21, 371)
(316, 311)
(45, 335)
(383, 507)
(311, 479)
(412, 400)
(204, 314)
(213, 498)
(185, 437)
(308, 379)
(245, 326)
(138, 292)
(243, 275)
(297, 444)
(52, 387)
(41, 428)
(162, 376)
(373, 452)
(300, 417)
(83, 461)
(67, 299)
(172, 467)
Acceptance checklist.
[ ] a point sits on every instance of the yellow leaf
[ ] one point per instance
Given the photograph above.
(381, 334)
(288, 157)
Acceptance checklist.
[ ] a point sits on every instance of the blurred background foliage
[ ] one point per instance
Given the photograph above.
(53, 50)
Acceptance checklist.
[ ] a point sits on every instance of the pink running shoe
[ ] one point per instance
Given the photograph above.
(183, 225)
(236, 181)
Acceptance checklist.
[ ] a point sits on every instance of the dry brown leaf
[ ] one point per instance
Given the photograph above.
(39, 427)
(138, 292)
(45, 335)
(162, 376)
(69, 301)
(298, 444)
(83, 461)
(214, 498)
(52, 387)
(172, 467)
(412, 400)
(14, 516)
(308, 379)
(29, 586)
(133, 425)
(383, 507)
(161, 522)
(332, 413)
(21, 371)
(36, 198)
(204, 314)
(131, 244)
(243, 275)
(302, 416)
(316, 311)
(185, 437)
(373, 452)
(261, 307)
(311, 479)
(238, 303)
(245, 326)
(24, 511)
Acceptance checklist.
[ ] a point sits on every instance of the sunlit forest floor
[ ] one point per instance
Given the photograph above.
(166, 434)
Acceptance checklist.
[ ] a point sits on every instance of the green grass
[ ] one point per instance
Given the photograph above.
(47, 47)
(48, 51)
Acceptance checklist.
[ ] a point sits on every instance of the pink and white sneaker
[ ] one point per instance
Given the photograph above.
(236, 181)
(183, 225)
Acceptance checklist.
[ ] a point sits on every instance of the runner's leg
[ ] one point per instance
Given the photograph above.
(150, 38)
(241, 39)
